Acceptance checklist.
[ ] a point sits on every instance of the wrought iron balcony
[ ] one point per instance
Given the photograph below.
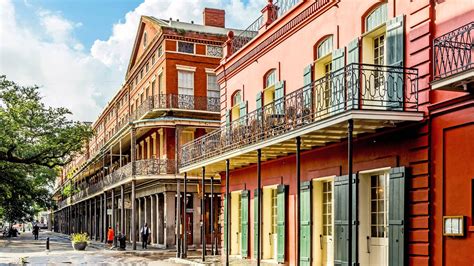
(354, 87)
(147, 167)
(453, 55)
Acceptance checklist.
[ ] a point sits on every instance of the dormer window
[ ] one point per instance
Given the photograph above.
(144, 39)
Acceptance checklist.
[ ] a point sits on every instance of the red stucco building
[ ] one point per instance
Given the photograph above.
(346, 134)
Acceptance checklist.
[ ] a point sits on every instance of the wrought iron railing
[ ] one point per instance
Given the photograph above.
(354, 87)
(282, 6)
(453, 52)
(63, 203)
(142, 168)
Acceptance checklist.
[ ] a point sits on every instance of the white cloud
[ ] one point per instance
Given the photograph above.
(83, 80)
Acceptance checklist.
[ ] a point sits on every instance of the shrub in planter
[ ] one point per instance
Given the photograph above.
(79, 241)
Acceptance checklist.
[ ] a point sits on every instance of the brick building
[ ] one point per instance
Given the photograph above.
(126, 175)
(346, 134)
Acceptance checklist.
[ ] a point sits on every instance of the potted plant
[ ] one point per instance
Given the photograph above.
(79, 241)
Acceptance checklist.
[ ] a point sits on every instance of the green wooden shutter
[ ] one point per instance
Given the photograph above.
(255, 222)
(394, 57)
(397, 217)
(227, 118)
(337, 86)
(258, 99)
(225, 222)
(305, 228)
(245, 223)
(341, 219)
(281, 230)
(243, 112)
(308, 89)
(279, 97)
(353, 74)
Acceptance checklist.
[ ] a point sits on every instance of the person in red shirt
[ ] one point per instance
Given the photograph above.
(110, 235)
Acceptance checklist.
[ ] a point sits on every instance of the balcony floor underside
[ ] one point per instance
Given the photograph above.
(318, 134)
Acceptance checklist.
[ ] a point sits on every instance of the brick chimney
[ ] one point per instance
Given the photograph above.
(213, 17)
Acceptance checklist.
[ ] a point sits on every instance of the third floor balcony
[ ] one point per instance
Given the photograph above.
(373, 96)
(453, 55)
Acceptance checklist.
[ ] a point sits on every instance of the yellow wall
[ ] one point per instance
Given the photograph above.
(235, 199)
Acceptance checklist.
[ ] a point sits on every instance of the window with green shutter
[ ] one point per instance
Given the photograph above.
(279, 97)
(308, 89)
(397, 217)
(305, 224)
(245, 223)
(337, 95)
(281, 223)
(394, 57)
(353, 74)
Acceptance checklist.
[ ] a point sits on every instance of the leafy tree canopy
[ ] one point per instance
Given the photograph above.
(35, 140)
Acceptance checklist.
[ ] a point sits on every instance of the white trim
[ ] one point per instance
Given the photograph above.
(186, 68)
(371, 171)
(210, 71)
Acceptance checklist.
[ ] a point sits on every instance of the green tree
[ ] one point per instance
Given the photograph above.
(34, 141)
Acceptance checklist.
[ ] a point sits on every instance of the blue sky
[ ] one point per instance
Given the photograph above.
(77, 51)
(96, 16)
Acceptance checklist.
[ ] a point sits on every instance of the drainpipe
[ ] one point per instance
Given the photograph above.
(350, 128)
(227, 197)
(259, 203)
(298, 203)
(185, 222)
(203, 212)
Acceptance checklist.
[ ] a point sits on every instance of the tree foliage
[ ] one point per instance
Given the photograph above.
(34, 141)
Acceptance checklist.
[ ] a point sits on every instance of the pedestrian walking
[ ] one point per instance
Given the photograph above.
(145, 232)
(36, 231)
(110, 236)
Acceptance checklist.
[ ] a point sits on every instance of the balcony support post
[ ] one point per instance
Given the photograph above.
(95, 218)
(351, 220)
(227, 221)
(178, 218)
(133, 220)
(105, 217)
(120, 152)
(203, 214)
(211, 215)
(259, 204)
(298, 198)
(122, 210)
(114, 224)
(185, 221)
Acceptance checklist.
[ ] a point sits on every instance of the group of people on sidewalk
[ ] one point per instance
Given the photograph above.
(144, 233)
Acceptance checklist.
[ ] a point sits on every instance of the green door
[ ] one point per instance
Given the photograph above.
(305, 227)
(245, 223)
(255, 222)
(397, 217)
(341, 219)
(281, 218)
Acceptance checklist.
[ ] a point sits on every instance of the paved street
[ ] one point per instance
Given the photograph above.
(24, 247)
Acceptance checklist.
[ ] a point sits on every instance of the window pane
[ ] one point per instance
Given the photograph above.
(185, 82)
(186, 47)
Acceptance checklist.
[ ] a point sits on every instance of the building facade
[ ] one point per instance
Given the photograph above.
(126, 176)
(346, 134)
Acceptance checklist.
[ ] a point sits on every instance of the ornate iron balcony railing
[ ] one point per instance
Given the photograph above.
(142, 168)
(354, 87)
(453, 52)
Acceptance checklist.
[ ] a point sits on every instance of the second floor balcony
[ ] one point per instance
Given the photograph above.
(373, 96)
(453, 55)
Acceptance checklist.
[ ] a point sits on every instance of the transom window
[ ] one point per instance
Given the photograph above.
(185, 82)
(376, 18)
(237, 98)
(327, 208)
(213, 50)
(325, 47)
(186, 47)
(378, 205)
(270, 78)
(212, 87)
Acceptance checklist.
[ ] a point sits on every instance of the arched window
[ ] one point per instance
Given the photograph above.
(236, 98)
(324, 47)
(376, 17)
(270, 78)
(144, 39)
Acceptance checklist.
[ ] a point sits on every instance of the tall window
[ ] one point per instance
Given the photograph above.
(212, 86)
(185, 82)
(327, 208)
(378, 205)
(160, 84)
(236, 98)
(186, 47)
(160, 50)
(269, 90)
